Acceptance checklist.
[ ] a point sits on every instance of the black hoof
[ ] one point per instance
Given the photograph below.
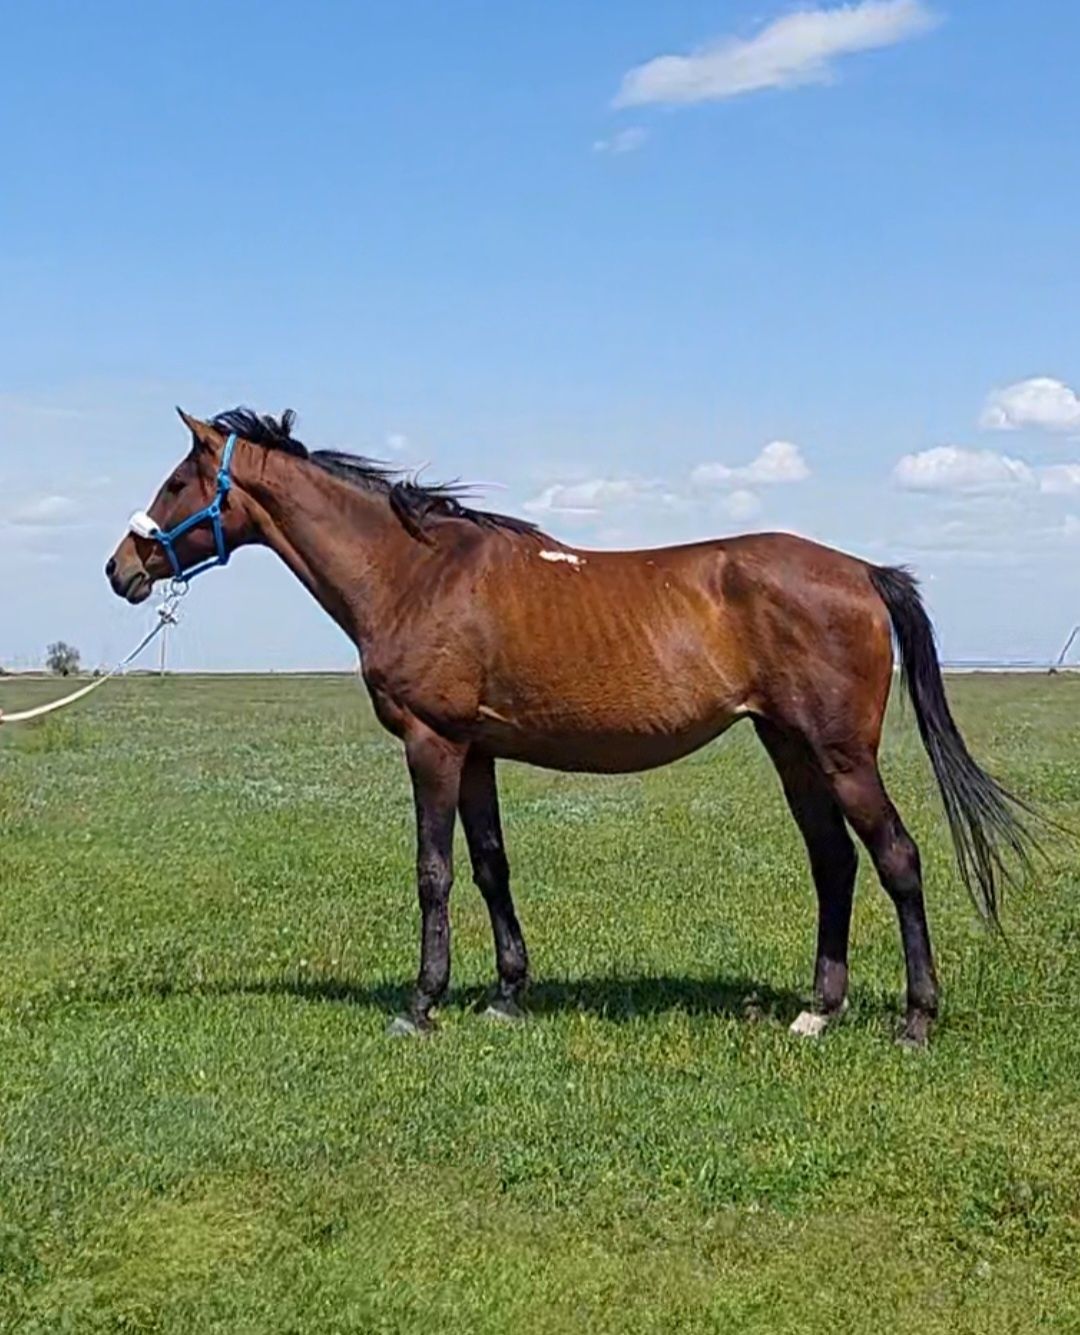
(915, 1035)
(504, 1010)
(407, 1026)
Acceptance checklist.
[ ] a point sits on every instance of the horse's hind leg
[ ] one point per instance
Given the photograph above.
(857, 785)
(478, 804)
(833, 863)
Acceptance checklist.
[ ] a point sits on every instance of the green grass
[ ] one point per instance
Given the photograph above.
(208, 913)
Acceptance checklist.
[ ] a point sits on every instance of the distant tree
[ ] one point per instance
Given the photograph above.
(62, 658)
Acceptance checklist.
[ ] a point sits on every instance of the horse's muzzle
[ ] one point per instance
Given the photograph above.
(129, 581)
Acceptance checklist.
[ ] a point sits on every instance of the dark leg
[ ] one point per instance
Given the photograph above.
(874, 819)
(833, 864)
(435, 768)
(478, 804)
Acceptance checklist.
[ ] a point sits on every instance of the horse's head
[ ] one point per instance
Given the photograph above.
(199, 492)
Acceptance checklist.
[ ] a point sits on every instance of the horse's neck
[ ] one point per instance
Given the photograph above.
(342, 542)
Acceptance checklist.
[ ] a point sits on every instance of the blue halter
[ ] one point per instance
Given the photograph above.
(209, 514)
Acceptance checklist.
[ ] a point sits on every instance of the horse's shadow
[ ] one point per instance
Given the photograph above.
(622, 999)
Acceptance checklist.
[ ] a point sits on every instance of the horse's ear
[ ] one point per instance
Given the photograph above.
(202, 433)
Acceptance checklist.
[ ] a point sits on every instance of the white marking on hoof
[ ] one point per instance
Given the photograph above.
(505, 1012)
(809, 1024)
(402, 1027)
(569, 557)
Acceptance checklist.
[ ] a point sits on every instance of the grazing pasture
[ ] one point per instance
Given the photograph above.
(208, 913)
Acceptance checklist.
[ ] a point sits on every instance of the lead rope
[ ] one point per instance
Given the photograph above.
(166, 617)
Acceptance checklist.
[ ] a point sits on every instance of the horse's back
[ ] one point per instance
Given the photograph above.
(581, 659)
(684, 639)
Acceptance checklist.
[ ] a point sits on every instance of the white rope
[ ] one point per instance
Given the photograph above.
(166, 617)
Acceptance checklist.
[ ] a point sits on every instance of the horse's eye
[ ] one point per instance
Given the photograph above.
(174, 486)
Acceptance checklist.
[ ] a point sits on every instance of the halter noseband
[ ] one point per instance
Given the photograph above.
(145, 527)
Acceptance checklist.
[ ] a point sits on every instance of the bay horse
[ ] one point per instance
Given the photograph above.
(481, 638)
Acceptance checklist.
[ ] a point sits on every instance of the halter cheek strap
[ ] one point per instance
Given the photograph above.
(144, 526)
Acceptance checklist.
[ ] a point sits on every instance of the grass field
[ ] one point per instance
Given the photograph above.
(208, 913)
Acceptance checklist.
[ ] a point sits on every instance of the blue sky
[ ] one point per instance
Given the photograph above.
(659, 270)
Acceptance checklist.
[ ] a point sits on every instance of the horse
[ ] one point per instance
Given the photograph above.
(481, 638)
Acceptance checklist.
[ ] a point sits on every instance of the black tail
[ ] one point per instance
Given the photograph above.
(984, 818)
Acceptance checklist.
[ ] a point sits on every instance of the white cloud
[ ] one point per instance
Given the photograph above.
(1059, 479)
(791, 51)
(741, 504)
(779, 461)
(990, 533)
(592, 497)
(709, 489)
(949, 468)
(46, 512)
(1039, 402)
(622, 141)
(396, 443)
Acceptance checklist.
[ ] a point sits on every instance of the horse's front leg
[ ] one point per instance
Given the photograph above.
(435, 767)
(479, 807)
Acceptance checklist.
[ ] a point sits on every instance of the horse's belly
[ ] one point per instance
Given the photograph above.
(598, 749)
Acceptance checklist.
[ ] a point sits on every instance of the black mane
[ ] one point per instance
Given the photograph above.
(412, 501)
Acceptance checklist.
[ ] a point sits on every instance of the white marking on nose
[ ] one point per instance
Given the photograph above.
(142, 525)
(568, 557)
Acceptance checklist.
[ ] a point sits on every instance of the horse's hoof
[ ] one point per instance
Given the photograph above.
(915, 1035)
(809, 1024)
(812, 1024)
(504, 1011)
(404, 1026)
(912, 1042)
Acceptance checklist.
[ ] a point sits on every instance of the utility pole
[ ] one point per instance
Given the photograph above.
(162, 650)
(1068, 645)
